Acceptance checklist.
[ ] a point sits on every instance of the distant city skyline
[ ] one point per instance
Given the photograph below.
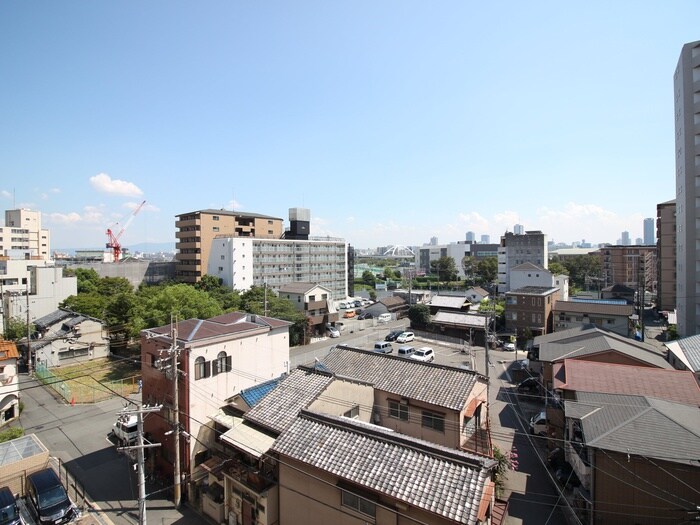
(387, 138)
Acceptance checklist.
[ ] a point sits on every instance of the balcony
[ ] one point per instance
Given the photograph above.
(576, 455)
(188, 222)
(251, 477)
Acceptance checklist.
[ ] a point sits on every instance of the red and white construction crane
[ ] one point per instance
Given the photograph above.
(113, 240)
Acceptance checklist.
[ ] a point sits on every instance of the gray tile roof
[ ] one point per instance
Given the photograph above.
(596, 342)
(52, 318)
(593, 308)
(439, 480)
(639, 425)
(460, 319)
(435, 384)
(534, 290)
(690, 347)
(297, 287)
(448, 301)
(280, 406)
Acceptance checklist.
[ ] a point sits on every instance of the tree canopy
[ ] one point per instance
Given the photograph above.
(445, 268)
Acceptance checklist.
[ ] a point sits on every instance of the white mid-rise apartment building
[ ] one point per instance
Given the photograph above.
(517, 249)
(245, 262)
(22, 236)
(686, 87)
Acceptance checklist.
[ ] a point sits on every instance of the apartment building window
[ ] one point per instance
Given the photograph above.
(398, 410)
(215, 228)
(433, 420)
(358, 503)
(221, 268)
(222, 364)
(202, 368)
(223, 257)
(215, 218)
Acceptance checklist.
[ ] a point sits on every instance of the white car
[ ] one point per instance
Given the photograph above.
(509, 347)
(424, 354)
(332, 331)
(405, 337)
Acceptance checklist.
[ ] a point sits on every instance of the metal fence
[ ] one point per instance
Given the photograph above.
(86, 389)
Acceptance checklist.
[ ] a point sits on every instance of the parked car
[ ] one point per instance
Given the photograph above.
(405, 337)
(365, 315)
(538, 424)
(9, 512)
(384, 318)
(349, 314)
(406, 351)
(424, 354)
(509, 347)
(391, 336)
(530, 385)
(383, 347)
(357, 304)
(47, 500)
(332, 331)
(343, 305)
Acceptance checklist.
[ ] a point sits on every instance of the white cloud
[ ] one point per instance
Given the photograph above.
(105, 184)
(146, 207)
(44, 196)
(6, 194)
(65, 218)
(93, 215)
(55, 190)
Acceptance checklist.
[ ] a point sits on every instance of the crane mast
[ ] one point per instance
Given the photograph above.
(113, 240)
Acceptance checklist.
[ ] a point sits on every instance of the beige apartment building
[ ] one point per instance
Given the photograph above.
(22, 237)
(197, 229)
(630, 266)
(666, 255)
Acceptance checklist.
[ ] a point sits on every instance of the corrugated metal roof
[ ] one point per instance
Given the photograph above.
(254, 394)
(690, 346)
(439, 480)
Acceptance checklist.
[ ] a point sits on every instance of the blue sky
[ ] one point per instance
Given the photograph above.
(392, 121)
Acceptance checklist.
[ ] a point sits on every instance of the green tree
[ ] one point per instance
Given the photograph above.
(254, 301)
(487, 270)
(16, 329)
(368, 278)
(419, 314)
(389, 272)
(87, 278)
(91, 304)
(373, 295)
(445, 268)
(557, 268)
(230, 300)
(156, 304)
(582, 267)
(469, 266)
(397, 274)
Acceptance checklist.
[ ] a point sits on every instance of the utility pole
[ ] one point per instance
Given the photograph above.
(140, 446)
(29, 335)
(174, 353)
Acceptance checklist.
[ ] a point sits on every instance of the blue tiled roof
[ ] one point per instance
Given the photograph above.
(254, 394)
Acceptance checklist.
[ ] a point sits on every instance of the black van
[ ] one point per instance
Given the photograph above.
(47, 500)
(9, 512)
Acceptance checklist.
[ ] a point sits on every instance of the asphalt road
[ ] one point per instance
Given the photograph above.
(77, 436)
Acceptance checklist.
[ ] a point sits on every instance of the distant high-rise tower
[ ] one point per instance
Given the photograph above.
(433, 241)
(471, 236)
(625, 239)
(686, 87)
(649, 226)
(518, 229)
(485, 239)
